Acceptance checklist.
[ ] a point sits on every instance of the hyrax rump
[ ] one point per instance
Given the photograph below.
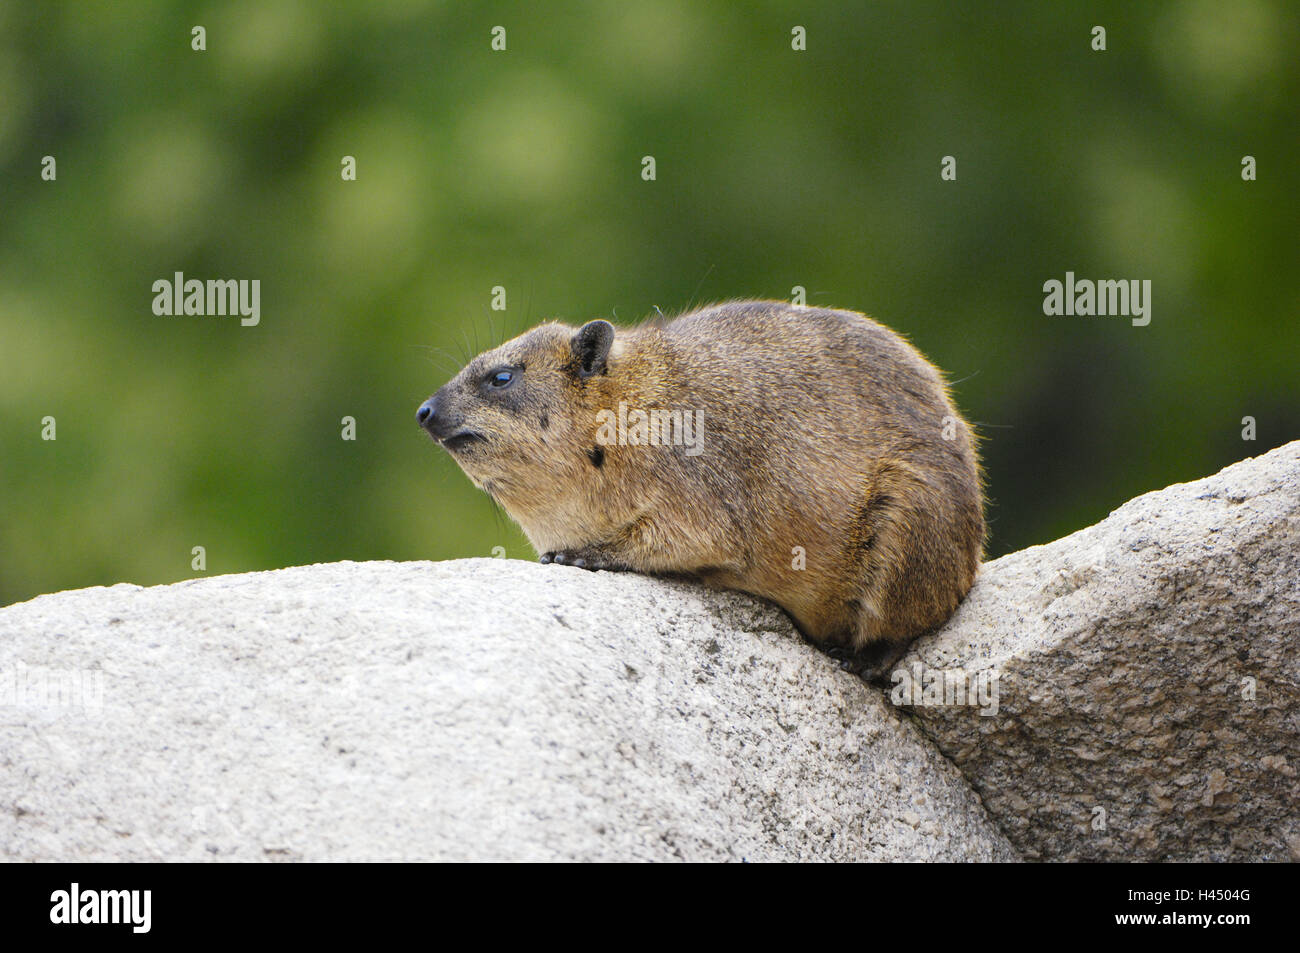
(809, 456)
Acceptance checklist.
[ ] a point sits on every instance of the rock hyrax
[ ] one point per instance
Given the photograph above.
(809, 456)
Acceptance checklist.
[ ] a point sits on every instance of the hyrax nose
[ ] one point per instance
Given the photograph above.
(435, 417)
(424, 412)
(427, 411)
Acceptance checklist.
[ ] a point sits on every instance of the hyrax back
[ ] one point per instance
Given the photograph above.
(806, 455)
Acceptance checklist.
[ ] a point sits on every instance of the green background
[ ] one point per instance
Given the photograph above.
(522, 169)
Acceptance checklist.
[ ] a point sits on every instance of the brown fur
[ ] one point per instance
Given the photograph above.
(822, 430)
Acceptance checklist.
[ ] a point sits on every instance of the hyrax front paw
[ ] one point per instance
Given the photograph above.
(583, 559)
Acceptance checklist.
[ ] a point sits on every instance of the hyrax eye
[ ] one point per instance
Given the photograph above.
(501, 378)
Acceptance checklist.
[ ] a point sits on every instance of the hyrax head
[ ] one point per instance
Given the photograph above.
(520, 419)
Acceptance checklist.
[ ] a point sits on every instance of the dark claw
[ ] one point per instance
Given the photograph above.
(592, 563)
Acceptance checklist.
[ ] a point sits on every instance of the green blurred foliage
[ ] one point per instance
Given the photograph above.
(522, 169)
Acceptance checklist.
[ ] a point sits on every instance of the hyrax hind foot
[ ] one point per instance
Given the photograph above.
(873, 662)
(584, 559)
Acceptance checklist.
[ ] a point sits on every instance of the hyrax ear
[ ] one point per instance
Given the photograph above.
(591, 344)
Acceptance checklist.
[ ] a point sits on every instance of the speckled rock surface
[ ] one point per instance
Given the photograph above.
(1148, 703)
(469, 710)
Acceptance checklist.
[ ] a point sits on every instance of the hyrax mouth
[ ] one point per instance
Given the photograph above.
(462, 439)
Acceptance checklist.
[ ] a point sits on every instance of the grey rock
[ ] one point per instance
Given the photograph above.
(1146, 707)
(1148, 691)
(468, 710)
